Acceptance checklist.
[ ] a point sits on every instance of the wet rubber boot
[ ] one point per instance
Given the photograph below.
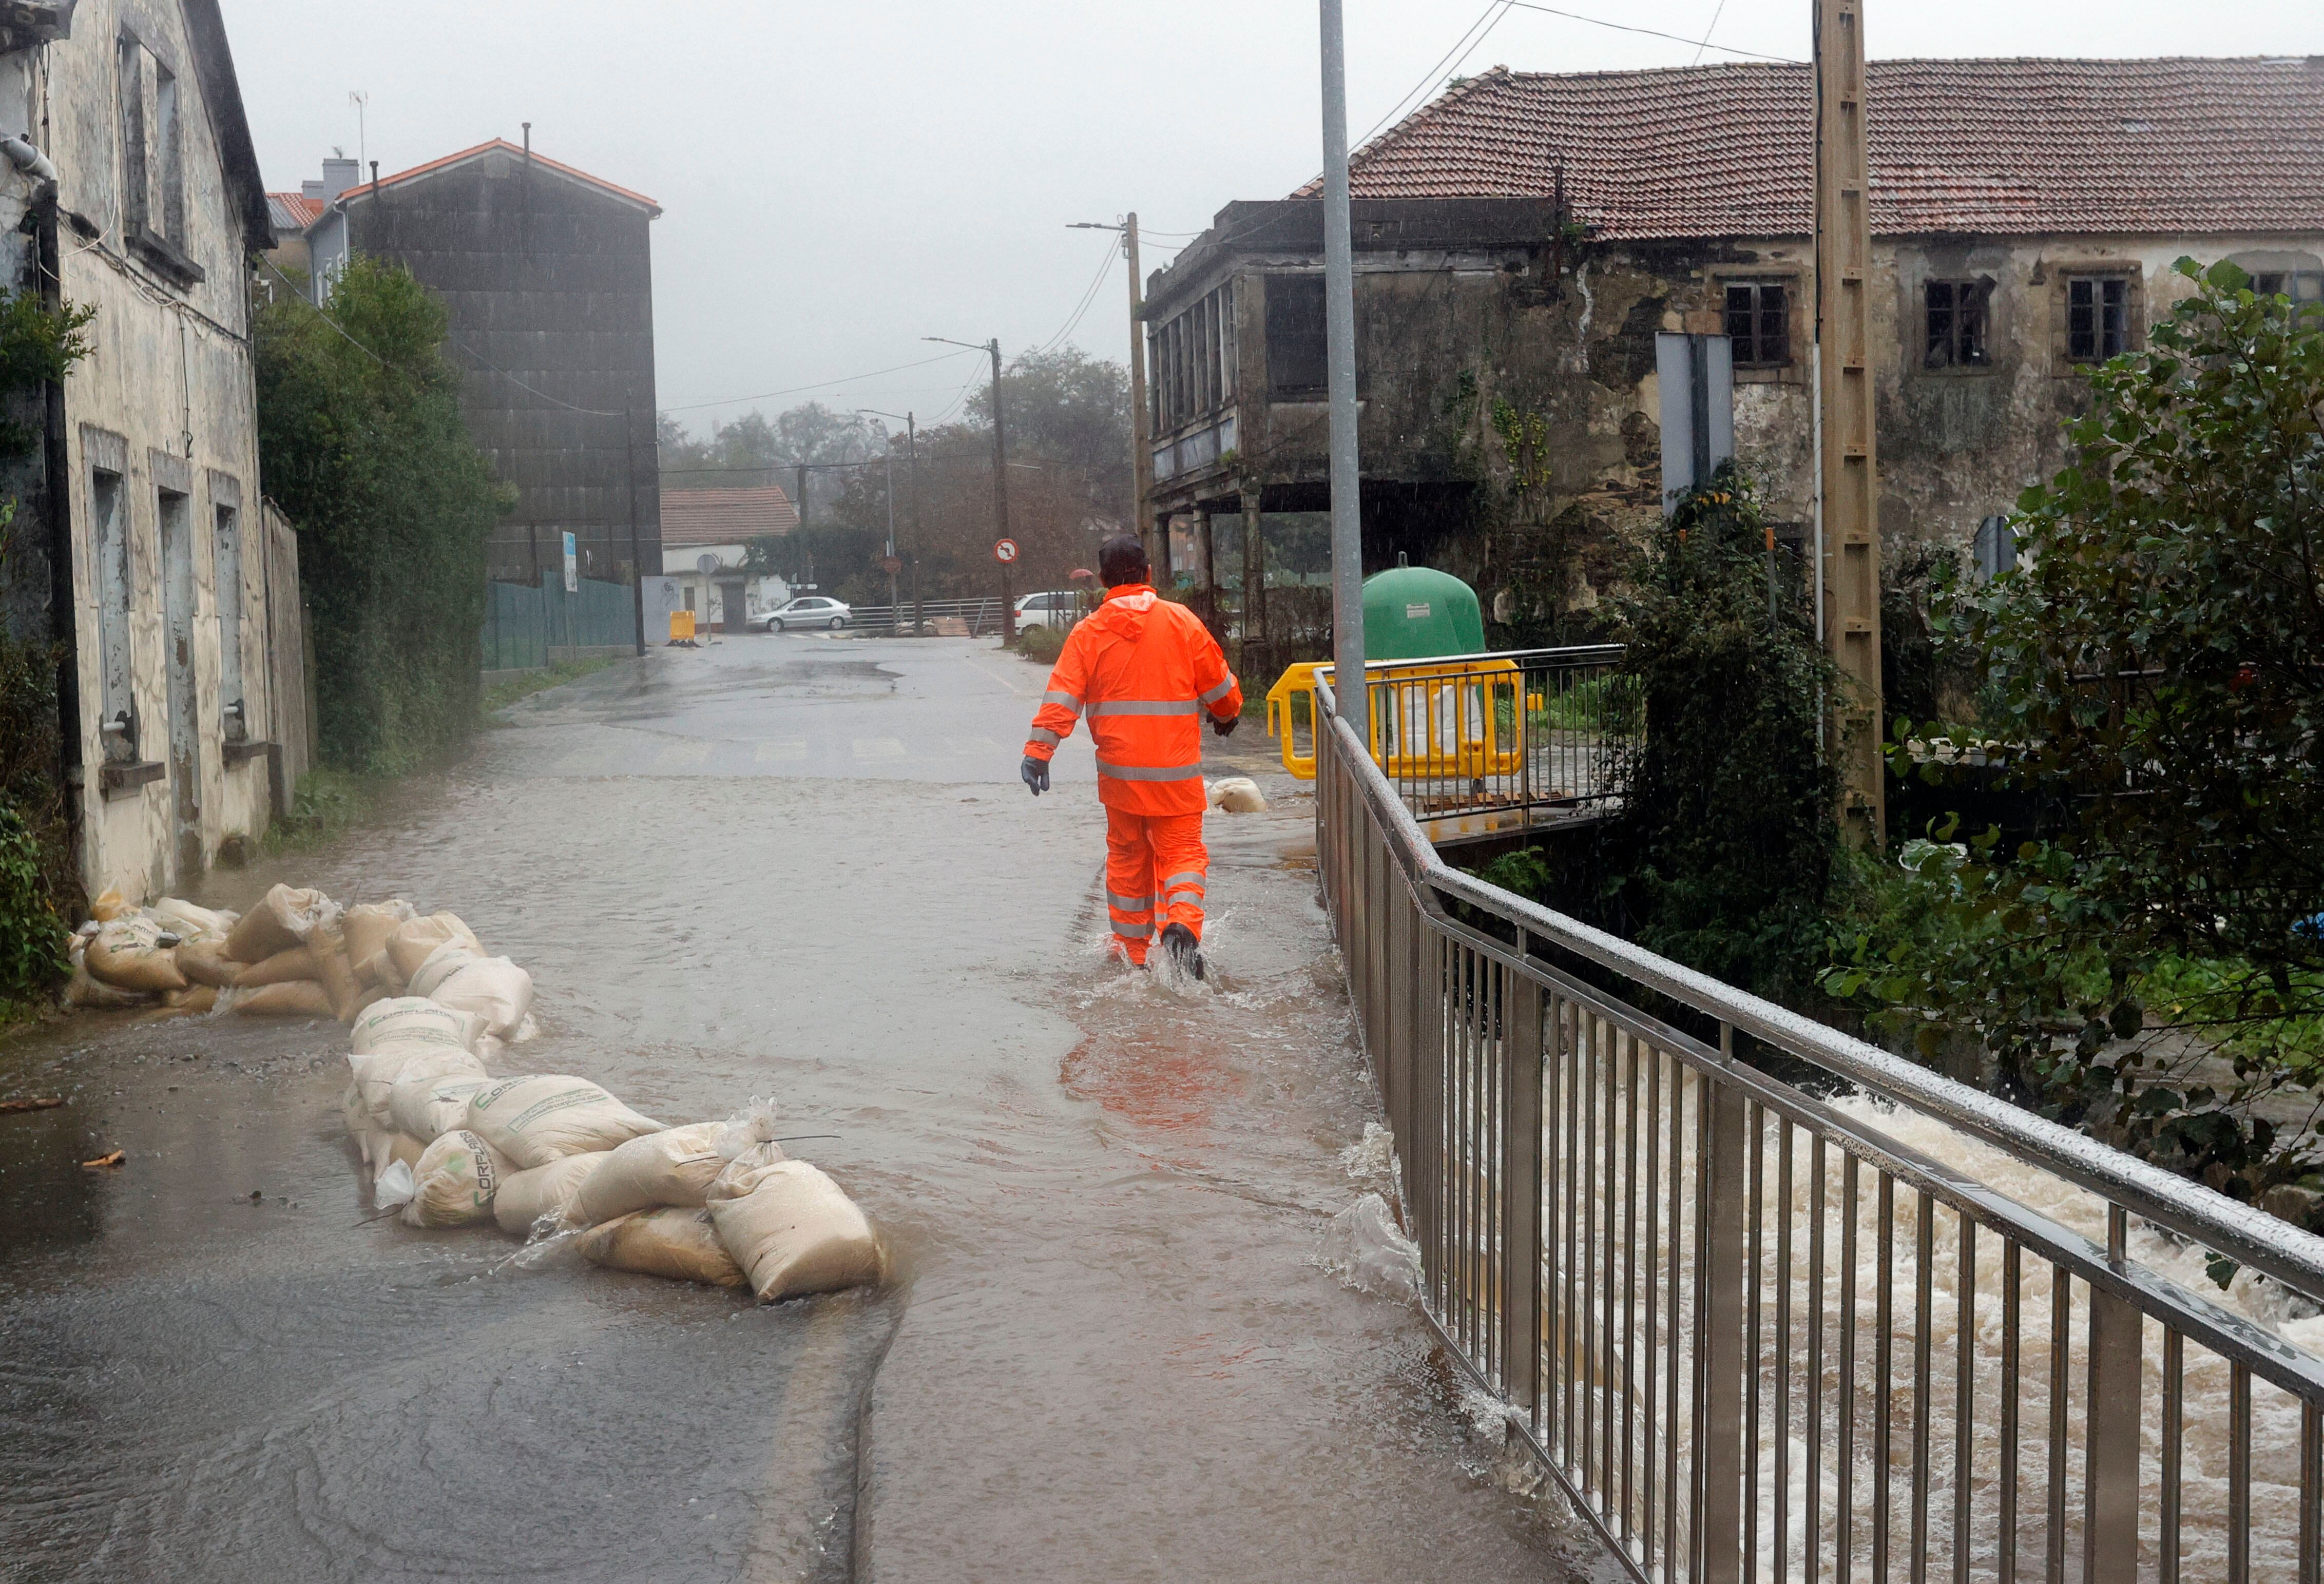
(1179, 942)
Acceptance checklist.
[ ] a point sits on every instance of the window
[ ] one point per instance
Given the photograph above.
(168, 152)
(109, 525)
(1194, 362)
(2098, 317)
(151, 130)
(1759, 323)
(1298, 361)
(136, 175)
(1957, 324)
(2304, 287)
(226, 572)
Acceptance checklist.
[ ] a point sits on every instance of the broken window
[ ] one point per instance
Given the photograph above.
(1193, 361)
(2098, 317)
(169, 152)
(109, 529)
(1957, 324)
(226, 572)
(2304, 287)
(1759, 323)
(137, 180)
(1297, 360)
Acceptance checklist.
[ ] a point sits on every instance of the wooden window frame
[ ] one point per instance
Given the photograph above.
(1960, 312)
(2098, 281)
(1749, 349)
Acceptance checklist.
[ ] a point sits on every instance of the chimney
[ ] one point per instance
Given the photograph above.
(310, 189)
(338, 175)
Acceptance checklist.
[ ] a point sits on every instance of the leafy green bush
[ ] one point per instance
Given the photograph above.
(1041, 645)
(361, 441)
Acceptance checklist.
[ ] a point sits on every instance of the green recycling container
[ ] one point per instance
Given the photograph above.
(1419, 613)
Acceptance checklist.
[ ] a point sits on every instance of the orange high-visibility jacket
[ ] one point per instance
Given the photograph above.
(1143, 670)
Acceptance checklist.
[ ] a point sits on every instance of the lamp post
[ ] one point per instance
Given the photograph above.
(1000, 474)
(1141, 454)
(912, 473)
(1339, 340)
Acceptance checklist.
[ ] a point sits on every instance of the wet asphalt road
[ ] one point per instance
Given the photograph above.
(781, 865)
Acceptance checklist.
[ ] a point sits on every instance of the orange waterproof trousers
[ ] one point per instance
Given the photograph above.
(1157, 870)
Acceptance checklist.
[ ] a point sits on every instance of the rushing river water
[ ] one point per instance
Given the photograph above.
(787, 866)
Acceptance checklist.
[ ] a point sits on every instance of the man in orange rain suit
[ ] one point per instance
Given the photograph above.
(1144, 671)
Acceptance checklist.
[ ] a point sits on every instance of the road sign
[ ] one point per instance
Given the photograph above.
(572, 566)
(705, 564)
(891, 565)
(1005, 551)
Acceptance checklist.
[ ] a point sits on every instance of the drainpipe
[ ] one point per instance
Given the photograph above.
(56, 465)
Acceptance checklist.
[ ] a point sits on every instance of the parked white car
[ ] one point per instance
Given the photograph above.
(1059, 608)
(805, 611)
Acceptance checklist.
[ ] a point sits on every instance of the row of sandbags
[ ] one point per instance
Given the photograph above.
(551, 1155)
(297, 953)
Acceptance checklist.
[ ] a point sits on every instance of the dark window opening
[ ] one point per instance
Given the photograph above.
(135, 179)
(1297, 362)
(2098, 317)
(1759, 323)
(2304, 287)
(1957, 324)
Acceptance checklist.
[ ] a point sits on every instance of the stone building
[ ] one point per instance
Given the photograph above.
(547, 274)
(1519, 241)
(138, 544)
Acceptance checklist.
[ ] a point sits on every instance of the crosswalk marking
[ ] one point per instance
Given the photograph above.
(879, 748)
(780, 748)
(683, 756)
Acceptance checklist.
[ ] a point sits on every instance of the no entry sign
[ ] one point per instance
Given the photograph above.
(1005, 551)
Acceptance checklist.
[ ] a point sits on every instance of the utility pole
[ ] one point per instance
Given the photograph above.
(1141, 447)
(637, 566)
(1848, 521)
(912, 472)
(1339, 340)
(1001, 496)
(802, 523)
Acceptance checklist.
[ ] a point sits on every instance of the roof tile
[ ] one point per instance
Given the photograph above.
(724, 517)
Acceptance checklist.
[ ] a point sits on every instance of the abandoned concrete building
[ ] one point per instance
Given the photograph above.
(1520, 240)
(548, 275)
(140, 547)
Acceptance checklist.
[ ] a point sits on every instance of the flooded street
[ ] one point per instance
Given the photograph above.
(790, 866)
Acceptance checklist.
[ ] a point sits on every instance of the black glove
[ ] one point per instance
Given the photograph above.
(1036, 772)
(1224, 725)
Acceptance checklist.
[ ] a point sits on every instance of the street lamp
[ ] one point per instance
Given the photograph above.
(1141, 456)
(912, 454)
(999, 474)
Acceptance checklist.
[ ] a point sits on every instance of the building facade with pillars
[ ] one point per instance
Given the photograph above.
(547, 272)
(1520, 240)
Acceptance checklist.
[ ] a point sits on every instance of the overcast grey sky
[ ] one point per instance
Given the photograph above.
(840, 181)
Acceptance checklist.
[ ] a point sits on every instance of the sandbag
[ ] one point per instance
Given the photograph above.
(391, 1148)
(95, 994)
(1237, 795)
(416, 938)
(454, 1182)
(380, 969)
(134, 954)
(282, 968)
(526, 1196)
(378, 1072)
(674, 1167)
(372, 997)
(205, 962)
(494, 988)
(367, 927)
(413, 1020)
(678, 1243)
(791, 1229)
(536, 1120)
(281, 920)
(330, 947)
(192, 1001)
(108, 906)
(297, 998)
(442, 962)
(187, 921)
(428, 1105)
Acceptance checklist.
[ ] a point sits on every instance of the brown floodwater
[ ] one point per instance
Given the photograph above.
(782, 866)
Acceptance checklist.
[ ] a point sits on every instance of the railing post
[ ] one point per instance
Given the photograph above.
(2111, 1513)
(1520, 1176)
(1719, 1434)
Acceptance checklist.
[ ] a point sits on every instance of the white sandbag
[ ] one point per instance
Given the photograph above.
(187, 921)
(442, 962)
(493, 988)
(674, 1167)
(536, 1120)
(428, 1105)
(680, 1244)
(454, 1183)
(366, 928)
(95, 994)
(1237, 795)
(282, 919)
(328, 944)
(133, 952)
(526, 1196)
(413, 1020)
(791, 1229)
(416, 939)
(377, 1073)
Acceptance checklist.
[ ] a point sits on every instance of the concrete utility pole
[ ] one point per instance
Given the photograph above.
(1142, 438)
(637, 565)
(1340, 341)
(1848, 518)
(1001, 496)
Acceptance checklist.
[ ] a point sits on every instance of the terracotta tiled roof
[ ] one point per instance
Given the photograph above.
(503, 145)
(2012, 147)
(292, 211)
(724, 517)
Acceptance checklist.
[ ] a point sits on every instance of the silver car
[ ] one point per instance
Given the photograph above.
(804, 612)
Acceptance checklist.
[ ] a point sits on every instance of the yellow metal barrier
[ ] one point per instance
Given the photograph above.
(1428, 718)
(681, 627)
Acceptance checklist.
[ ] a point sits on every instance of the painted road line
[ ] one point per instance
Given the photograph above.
(879, 748)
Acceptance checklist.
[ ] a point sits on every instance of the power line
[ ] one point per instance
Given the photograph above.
(519, 384)
(1465, 46)
(1716, 11)
(1620, 27)
(821, 384)
(1104, 268)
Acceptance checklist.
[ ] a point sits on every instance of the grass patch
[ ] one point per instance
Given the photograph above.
(328, 804)
(501, 695)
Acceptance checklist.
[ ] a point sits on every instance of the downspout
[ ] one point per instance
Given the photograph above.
(56, 466)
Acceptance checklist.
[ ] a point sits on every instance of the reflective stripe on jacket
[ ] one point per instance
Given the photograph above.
(1143, 671)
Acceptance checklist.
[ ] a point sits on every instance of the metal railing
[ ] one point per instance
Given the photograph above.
(979, 616)
(1867, 1324)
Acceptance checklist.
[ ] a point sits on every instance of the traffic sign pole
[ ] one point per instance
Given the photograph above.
(1005, 551)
